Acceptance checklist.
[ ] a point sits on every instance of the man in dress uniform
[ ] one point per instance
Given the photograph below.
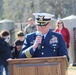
(52, 44)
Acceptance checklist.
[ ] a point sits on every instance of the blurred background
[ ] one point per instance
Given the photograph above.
(14, 15)
(21, 10)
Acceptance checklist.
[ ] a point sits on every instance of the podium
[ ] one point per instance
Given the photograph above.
(39, 66)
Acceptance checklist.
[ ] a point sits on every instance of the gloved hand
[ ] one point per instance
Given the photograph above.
(7, 39)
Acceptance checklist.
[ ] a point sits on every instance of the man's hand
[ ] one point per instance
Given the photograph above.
(37, 41)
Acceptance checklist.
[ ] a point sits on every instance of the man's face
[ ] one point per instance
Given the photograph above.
(21, 38)
(31, 22)
(43, 29)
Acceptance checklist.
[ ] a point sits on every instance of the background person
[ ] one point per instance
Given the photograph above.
(60, 28)
(5, 51)
(52, 45)
(17, 45)
(31, 27)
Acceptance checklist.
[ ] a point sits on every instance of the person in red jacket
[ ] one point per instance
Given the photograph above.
(60, 28)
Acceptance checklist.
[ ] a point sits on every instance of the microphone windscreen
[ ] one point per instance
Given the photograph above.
(38, 33)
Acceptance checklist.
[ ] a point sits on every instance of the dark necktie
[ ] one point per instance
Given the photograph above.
(42, 38)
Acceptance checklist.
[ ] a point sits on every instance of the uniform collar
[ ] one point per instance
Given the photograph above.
(45, 34)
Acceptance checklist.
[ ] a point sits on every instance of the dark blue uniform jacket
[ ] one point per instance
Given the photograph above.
(52, 45)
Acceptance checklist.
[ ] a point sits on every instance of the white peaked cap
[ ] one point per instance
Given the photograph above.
(43, 14)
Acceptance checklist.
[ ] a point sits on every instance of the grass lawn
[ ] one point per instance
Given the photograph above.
(72, 70)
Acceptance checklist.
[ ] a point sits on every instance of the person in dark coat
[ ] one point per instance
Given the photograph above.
(52, 45)
(17, 45)
(5, 51)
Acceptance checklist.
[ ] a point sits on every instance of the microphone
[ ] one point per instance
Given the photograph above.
(38, 33)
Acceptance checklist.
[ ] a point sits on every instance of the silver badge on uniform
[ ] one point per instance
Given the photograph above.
(53, 40)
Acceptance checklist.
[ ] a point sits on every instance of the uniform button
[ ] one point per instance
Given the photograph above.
(42, 46)
(54, 47)
(42, 53)
(54, 50)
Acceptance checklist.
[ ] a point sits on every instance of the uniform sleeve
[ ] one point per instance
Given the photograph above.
(62, 48)
(27, 50)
